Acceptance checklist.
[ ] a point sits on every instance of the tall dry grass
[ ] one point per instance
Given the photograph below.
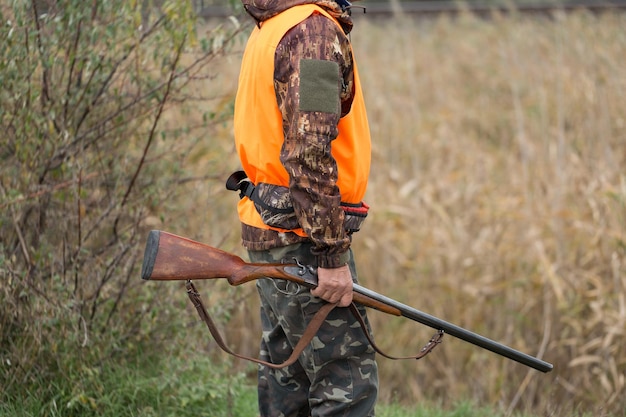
(499, 203)
(498, 197)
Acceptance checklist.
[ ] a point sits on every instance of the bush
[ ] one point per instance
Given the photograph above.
(88, 164)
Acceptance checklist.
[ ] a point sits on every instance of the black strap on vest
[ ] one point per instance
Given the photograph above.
(283, 217)
(239, 181)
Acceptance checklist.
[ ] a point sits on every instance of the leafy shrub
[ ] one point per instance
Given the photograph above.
(88, 163)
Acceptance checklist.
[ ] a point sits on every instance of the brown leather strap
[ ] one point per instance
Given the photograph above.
(432, 343)
(309, 333)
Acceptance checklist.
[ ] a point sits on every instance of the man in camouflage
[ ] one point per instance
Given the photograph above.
(336, 375)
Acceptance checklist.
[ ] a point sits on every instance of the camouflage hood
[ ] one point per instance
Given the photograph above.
(262, 10)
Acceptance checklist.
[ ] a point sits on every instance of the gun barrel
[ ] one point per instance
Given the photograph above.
(458, 332)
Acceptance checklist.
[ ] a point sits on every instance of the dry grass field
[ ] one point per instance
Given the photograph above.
(498, 196)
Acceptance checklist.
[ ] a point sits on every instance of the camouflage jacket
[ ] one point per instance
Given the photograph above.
(312, 169)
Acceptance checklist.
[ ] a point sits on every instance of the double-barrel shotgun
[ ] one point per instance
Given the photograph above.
(171, 257)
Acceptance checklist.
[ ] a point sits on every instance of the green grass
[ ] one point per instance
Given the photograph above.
(463, 409)
(177, 387)
(182, 383)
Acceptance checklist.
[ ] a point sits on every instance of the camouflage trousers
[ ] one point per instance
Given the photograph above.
(336, 375)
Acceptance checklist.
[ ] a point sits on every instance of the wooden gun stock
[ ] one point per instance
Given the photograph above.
(170, 257)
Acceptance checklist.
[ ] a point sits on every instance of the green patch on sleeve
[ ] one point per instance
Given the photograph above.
(319, 86)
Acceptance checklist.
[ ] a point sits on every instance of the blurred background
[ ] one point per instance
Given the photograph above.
(497, 194)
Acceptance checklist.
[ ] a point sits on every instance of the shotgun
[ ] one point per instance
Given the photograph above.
(170, 257)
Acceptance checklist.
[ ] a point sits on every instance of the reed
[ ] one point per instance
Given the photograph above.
(498, 201)
(499, 197)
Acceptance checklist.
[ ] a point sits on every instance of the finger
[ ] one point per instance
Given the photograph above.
(317, 292)
(346, 300)
(326, 295)
(320, 293)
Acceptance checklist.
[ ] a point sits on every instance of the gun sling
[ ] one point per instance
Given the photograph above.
(306, 338)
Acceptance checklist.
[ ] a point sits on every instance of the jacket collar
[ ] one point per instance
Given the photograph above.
(262, 10)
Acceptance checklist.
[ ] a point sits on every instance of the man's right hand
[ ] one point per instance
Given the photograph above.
(334, 285)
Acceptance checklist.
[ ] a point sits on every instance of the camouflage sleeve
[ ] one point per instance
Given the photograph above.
(313, 78)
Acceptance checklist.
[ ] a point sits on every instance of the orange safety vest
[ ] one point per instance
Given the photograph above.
(258, 123)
